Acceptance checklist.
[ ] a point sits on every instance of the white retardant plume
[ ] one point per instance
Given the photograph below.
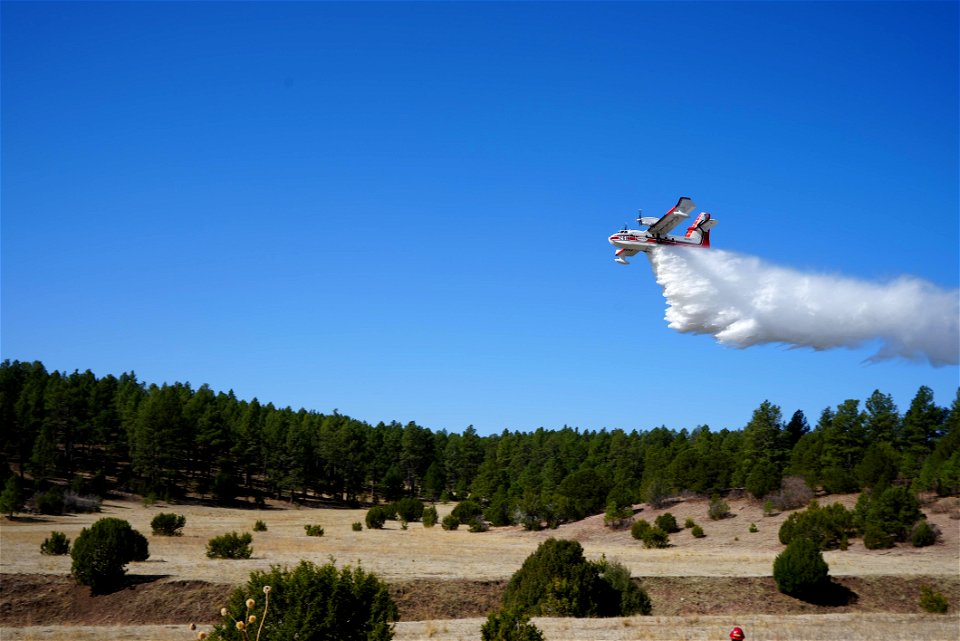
(744, 301)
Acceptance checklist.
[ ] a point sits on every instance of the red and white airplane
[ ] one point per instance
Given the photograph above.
(630, 241)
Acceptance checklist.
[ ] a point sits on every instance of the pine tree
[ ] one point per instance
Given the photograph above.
(11, 500)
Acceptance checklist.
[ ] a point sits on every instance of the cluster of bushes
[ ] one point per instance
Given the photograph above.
(405, 510)
(889, 515)
(230, 546)
(827, 527)
(313, 530)
(556, 580)
(165, 524)
(651, 536)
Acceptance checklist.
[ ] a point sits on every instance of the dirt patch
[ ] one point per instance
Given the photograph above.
(43, 599)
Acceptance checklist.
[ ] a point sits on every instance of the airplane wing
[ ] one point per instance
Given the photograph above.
(673, 217)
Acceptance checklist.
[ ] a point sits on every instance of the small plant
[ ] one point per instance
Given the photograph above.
(230, 546)
(357, 526)
(770, 508)
(166, 524)
(376, 517)
(718, 509)
(56, 545)
(313, 530)
(450, 522)
(259, 526)
(616, 517)
(509, 624)
(932, 601)
(477, 524)
(697, 532)
(753, 528)
(689, 523)
(429, 517)
(667, 522)
(924, 534)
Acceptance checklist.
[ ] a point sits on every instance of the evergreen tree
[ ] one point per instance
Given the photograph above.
(922, 425)
(762, 453)
(11, 500)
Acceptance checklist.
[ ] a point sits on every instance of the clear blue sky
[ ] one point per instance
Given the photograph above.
(400, 210)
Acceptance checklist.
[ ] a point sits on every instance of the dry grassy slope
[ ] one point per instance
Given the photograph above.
(729, 549)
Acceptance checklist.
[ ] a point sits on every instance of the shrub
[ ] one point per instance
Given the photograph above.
(376, 517)
(667, 522)
(509, 625)
(11, 500)
(450, 522)
(616, 517)
(409, 509)
(893, 512)
(357, 526)
(313, 530)
(697, 532)
(49, 502)
(56, 545)
(477, 524)
(753, 528)
(800, 569)
(259, 526)
(874, 538)
(315, 602)
(638, 528)
(230, 546)
(168, 524)
(467, 510)
(656, 537)
(100, 554)
(429, 517)
(827, 527)
(932, 601)
(556, 580)
(689, 523)
(770, 508)
(718, 509)
(924, 534)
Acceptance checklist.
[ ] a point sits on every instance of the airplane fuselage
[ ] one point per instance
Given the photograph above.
(639, 240)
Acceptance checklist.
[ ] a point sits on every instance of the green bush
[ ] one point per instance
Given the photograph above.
(101, 552)
(357, 526)
(259, 526)
(656, 537)
(314, 602)
(49, 502)
(697, 532)
(924, 534)
(376, 517)
(932, 601)
(230, 546)
(466, 511)
(477, 524)
(313, 530)
(800, 570)
(639, 527)
(167, 524)
(828, 527)
(891, 514)
(875, 538)
(617, 517)
(429, 517)
(753, 528)
(689, 523)
(556, 580)
(667, 522)
(450, 522)
(718, 509)
(11, 499)
(509, 625)
(56, 545)
(409, 509)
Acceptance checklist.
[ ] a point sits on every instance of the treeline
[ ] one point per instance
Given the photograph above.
(102, 434)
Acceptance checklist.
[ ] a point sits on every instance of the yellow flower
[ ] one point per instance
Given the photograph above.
(240, 625)
(250, 603)
(201, 636)
(223, 612)
(252, 618)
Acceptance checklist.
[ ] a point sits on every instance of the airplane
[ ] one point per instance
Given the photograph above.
(631, 241)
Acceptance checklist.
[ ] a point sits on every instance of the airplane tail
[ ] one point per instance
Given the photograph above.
(699, 231)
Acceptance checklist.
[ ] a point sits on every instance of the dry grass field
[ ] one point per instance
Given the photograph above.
(418, 553)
